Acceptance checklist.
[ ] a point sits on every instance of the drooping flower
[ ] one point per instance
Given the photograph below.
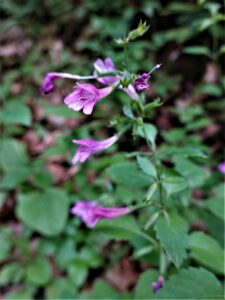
(89, 147)
(221, 167)
(91, 212)
(48, 84)
(141, 82)
(107, 66)
(84, 96)
(158, 284)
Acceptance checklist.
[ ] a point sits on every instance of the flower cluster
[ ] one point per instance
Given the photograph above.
(84, 97)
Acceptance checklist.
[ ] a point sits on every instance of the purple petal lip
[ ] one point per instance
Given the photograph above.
(48, 83)
(91, 212)
(84, 96)
(221, 167)
(89, 147)
(105, 66)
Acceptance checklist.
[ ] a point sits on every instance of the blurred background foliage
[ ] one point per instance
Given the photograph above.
(44, 252)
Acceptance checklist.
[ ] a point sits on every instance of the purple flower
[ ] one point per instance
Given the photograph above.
(89, 147)
(91, 212)
(221, 167)
(107, 66)
(48, 83)
(141, 82)
(158, 284)
(84, 96)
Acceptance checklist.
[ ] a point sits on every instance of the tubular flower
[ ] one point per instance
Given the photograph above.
(141, 82)
(221, 167)
(84, 96)
(89, 147)
(158, 284)
(48, 84)
(107, 66)
(91, 212)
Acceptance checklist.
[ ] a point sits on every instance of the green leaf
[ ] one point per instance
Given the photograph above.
(5, 242)
(216, 207)
(45, 212)
(197, 50)
(12, 155)
(11, 273)
(39, 271)
(102, 290)
(143, 288)
(14, 162)
(127, 173)
(207, 251)
(147, 166)
(16, 112)
(61, 288)
(172, 233)
(172, 183)
(124, 228)
(128, 111)
(191, 283)
(148, 131)
(78, 273)
(195, 175)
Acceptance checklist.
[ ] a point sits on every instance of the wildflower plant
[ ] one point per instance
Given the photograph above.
(161, 175)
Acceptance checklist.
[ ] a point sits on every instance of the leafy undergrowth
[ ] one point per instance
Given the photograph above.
(45, 252)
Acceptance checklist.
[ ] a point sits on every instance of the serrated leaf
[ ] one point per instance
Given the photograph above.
(195, 175)
(124, 228)
(207, 251)
(128, 174)
(143, 288)
(148, 131)
(172, 234)
(146, 166)
(172, 183)
(45, 212)
(216, 207)
(191, 283)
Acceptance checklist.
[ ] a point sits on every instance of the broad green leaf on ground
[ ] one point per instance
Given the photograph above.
(172, 234)
(181, 151)
(45, 212)
(77, 272)
(207, 251)
(124, 228)
(195, 175)
(14, 162)
(143, 289)
(21, 293)
(216, 207)
(5, 242)
(148, 131)
(39, 271)
(61, 288)
(127, 173)
(16, 112)
(191, 283)
(147, 166)
(11, 273)
(12, 155)
(102, 290)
